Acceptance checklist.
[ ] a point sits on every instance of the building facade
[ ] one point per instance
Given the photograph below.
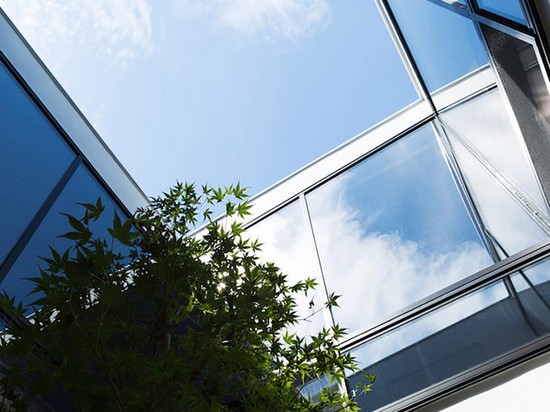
(433, 224)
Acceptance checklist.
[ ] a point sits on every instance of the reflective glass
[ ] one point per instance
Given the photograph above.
(462, 335)
(286, 242)
(508, 222)
(33, 157)
(81, 188)
(393, 230)
(443, 41)
(510, 9)
(485, 125)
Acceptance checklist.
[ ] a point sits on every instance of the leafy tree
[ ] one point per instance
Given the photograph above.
(159, 318)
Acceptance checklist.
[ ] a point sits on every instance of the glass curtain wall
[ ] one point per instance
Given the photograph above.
(415, 234)
(81, 188)
(41, 177)
(29, 167)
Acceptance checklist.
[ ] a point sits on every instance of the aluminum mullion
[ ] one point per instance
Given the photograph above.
(323, 290)
(527, 13)
(468, 98)
(519, 32)
(485, 15)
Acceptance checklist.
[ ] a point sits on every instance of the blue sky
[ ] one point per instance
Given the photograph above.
(219, 91)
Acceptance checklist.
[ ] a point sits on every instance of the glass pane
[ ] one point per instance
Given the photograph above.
(462, 335)
(81, 188)
(485, 125)
(393, 230)
(513, 228)
(443, 41)
(510, 9)
(32, 159)
(287, 243)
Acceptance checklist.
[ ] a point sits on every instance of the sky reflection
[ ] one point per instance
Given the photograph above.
(393, 230)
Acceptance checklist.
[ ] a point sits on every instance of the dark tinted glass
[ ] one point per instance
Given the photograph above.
(443, 41)
(510, 9)
(393, 230)
(81, 188)
(475, 329)
(32, 159)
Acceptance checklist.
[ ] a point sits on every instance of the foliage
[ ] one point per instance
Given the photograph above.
(154, 318)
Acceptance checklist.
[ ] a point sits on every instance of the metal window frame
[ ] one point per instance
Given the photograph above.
(484, 13)
(476, 281)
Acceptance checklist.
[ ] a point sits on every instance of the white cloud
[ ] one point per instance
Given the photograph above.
(117, 30)
(291, 19)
